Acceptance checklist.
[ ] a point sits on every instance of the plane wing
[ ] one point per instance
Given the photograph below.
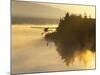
(42, 27)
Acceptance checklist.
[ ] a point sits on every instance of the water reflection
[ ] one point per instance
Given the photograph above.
(75, 38)
(85, 59)
(30, 53)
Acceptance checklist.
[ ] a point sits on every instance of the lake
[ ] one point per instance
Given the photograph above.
(30, 52)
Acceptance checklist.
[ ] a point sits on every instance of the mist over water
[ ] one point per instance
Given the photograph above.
(52, 37)
(30, 53)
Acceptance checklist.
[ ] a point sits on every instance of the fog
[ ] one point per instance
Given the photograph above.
(30, 53)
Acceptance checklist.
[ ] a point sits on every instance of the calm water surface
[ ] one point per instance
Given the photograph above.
(30, 52)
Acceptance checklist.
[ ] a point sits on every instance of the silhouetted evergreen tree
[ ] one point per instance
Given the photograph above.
(74, 33)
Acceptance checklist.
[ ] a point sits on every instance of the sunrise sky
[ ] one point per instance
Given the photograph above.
(28, 8)
(77, 9)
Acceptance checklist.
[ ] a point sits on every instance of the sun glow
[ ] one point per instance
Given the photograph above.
(87, 58)
(83, 60)
(75, 9)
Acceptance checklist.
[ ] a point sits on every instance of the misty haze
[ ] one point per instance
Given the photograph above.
(50, 37)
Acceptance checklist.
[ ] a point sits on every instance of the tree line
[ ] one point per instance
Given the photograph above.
(74, 33)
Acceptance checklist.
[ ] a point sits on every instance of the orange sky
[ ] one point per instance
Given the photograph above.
(23, 9)
(77, 9)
